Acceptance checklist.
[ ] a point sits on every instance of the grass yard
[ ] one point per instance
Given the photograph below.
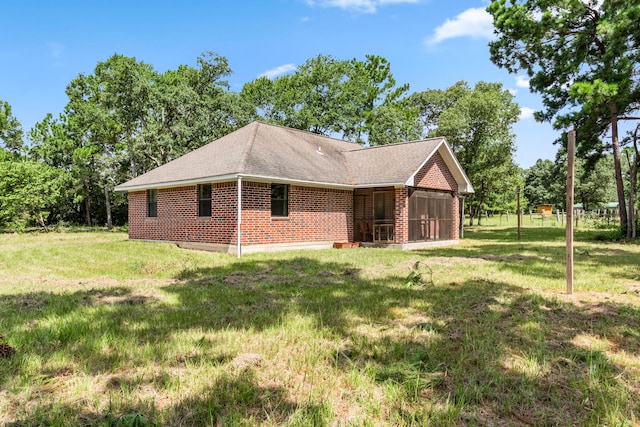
(114, 332)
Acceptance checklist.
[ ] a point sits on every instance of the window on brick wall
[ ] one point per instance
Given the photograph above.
(152, 203)
(279, 200)
(204, 200)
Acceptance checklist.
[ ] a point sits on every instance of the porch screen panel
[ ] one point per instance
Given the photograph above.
(430, 216)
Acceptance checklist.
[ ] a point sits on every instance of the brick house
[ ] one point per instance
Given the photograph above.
(283, 188)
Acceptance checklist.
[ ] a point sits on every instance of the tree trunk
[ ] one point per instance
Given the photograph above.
(634, 164)
(107, 204)
(87, 210)
(615, 145)
(133, 166)
(41, 221)
(632, 232)
(480, 203)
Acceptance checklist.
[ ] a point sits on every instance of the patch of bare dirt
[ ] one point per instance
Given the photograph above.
(513, 257)
(247, 361)
(242, 278)
(6, 350)
(447, 261)
(592, 298)
(115, 296)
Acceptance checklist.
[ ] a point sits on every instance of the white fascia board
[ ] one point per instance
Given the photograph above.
(465, 189)
(381, 184)
(455, 168)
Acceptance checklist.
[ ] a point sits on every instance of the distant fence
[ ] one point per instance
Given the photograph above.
(602, 217)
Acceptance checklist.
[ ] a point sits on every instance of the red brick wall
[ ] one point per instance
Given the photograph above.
(315, 214)
(436, 175)
(401, 226)
(178, 218)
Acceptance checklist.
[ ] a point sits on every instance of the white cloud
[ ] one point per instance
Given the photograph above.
(513, 92)
(522, 81)
(278, 71)
(474, 22)
(526, 113)
(364, 6)
(55, 49)
(305, 19)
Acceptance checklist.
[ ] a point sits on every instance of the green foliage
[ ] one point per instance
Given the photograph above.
(582, 58)
(541, 182)
(29, 192)
(478, 126)
(124, 119)
(188, 108)
(10, 129)
(357, 100)
(132, 419)
(594, 187)
(416, 275)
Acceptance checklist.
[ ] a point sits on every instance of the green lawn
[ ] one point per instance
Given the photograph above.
(113, 332)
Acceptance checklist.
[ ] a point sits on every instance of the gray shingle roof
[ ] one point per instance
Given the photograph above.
(270, 152)
(389, 164)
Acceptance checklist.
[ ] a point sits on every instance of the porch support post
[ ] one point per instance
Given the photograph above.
(239, 231)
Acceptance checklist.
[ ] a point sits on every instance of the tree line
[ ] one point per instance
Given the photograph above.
(126, 118)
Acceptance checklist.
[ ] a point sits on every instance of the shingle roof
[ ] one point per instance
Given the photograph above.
(389, 164)
(270, 152)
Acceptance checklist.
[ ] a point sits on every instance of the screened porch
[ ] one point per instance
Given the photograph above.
(374, 214)
(431, 215)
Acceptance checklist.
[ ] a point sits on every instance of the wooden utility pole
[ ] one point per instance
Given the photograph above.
(571, 150)
(518, 212)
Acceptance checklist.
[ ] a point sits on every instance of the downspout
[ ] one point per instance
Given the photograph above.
(461, 231)
(239, 232)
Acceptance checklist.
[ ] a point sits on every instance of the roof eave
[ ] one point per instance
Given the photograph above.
(465, 189)
(234, 177)
(301, 182)
(380, 184)
(174, 184)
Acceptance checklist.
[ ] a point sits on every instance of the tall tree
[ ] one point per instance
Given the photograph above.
(594, 186)
(582, 56)
(540, 180)
(633, 160)
(351, 99)
(10, 129)
(125, 119)
(478, 126)
(188, 108)
(432, 102)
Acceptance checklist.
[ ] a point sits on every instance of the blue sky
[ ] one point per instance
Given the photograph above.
(431, 44)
